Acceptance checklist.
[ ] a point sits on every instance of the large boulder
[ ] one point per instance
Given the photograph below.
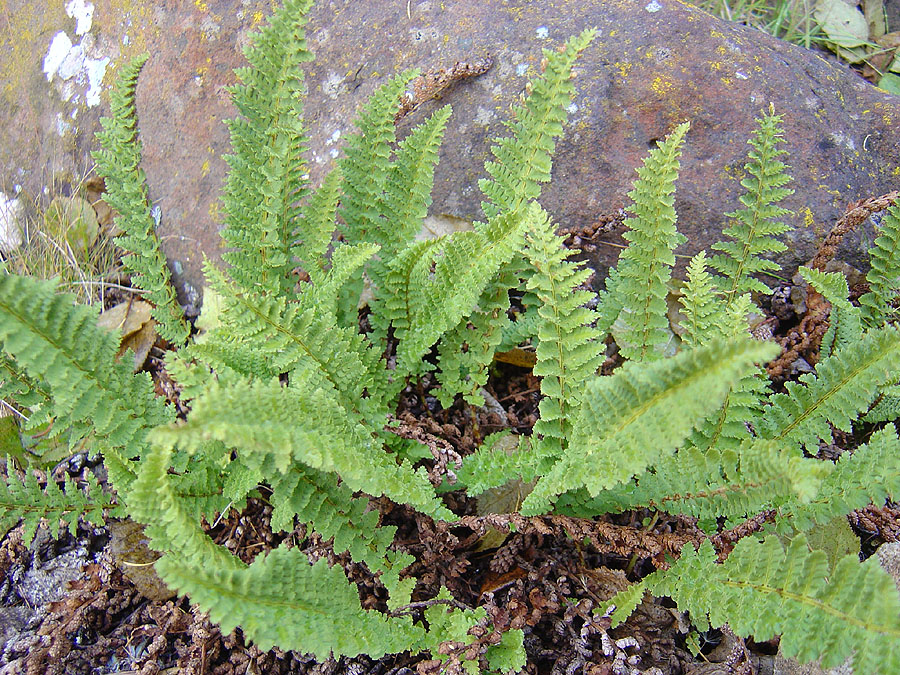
(654, 64)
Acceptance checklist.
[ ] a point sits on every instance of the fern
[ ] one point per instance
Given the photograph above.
(286, 601)
(570, 351)
(712, 484)
(60, 345)
(868, 475)
(853, 610)
(24, 499)
(843, 386)
(628, 421)
(276, 426)
(756, 224)
(118, 162)
(884, 275)
(317, 498)
(266, 180)
(636, 291)
(292, 401)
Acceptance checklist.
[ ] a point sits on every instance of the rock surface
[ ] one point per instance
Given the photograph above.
(653, 64)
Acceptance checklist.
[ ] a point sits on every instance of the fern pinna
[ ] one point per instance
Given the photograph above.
(291, 400)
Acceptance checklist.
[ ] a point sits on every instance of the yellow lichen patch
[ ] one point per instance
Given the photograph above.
(623, 68)
(896, 171)
(662, 86)
(202, 6)
(24, 38)
(716, 65)
(257, 18)
(204, 169)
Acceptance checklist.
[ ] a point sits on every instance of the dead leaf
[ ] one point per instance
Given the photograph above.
(138, 330)
(129, 547)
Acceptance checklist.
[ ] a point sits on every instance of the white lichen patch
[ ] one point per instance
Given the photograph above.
(653, 7)
(83, 13)
(542, 32)
(11, 212)
(483, 116)
(78, 67)
(331, 86)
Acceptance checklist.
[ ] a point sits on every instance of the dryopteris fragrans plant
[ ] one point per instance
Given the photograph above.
(700, 434)
(286, 391)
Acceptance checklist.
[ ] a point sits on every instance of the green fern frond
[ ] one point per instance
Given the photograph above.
(172, 525)
(59, 344)
(316, 227)
(845, 322)
(730, 425)
(267, 177)
(434, 284)
(819, 614)
(497, 461)
(409, 182)
(630, 421)
(301, 335)
(23, 499)
(637, 291)
(887, 407)
(524, 159)
(701, 304)
(366, 166)
(283, 600)
(868, 475)
(467, 350)
(843, 386)
(118, 162)
(273, 426)
(318, 498)
(570, 351)
(757, 223)
(711, 484)
(879, 304)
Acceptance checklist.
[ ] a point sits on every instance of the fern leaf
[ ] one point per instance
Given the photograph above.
(730, 425)
(843, 386)
(59, 344)
(301, 335)
(434, 284)
(845, 322)
(764, 590)
(887, 407)
(879, 304)
(366, 165)
(701, 304)
(524, 159)
(282, 599)
(756, 224)
(630, 420)
(318, 498)
(24, 499)
(712, 484)
(570, 351)
(118, 162)
(409, 182)
(639, 286)
(316, 227)
(500, 459)
(267, 173)
(173, 527)
(273, 426)
(868, 475)
(466, 351)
